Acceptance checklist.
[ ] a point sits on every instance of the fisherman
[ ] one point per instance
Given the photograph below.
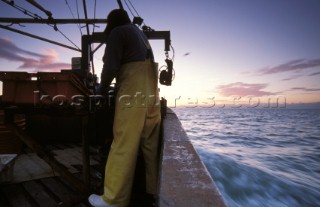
(129, 58)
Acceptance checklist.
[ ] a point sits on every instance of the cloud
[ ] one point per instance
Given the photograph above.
(299, 75)
(291, 78)
(314, 74)
(305, 89)
(243, 89)
(30, 60)
(291, 66)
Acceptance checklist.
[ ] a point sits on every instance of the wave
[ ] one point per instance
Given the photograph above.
(259, 157)
(244, 185)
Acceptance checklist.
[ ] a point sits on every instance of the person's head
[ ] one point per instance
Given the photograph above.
(116, 17)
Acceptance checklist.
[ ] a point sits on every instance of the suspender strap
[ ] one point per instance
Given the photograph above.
(146, 43)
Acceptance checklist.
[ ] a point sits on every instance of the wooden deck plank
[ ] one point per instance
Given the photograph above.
(30, 167)
(66, 197)
(47, 156)
(16, 195)
(39, 194)
(81, 205)
(67, 184)
(57, 188)
(3, 199)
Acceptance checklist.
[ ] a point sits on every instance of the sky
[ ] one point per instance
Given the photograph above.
(225, 51)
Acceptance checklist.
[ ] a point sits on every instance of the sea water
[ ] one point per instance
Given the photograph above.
(259, 157)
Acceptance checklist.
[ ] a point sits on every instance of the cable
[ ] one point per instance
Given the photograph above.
(134, 8)
(79, 27)
(86, 15)
(167, 54)
(66, 37)
(54, 26)
(69, 8)
(173, 52)
(78, 11)
(36, 16)
(38, 6)
(37, 37)
(88, 32)
(92, 48)
(129, 8)
(137, 14)
(26, 12)
(94, 13)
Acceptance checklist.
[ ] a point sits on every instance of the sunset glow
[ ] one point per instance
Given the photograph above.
(223, 49)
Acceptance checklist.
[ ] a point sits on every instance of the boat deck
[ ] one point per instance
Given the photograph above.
(34, 183)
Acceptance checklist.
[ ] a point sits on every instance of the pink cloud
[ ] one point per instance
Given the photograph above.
(31, 60)
(243, 89)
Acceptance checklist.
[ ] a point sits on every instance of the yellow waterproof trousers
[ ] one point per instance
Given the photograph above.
(136, 124)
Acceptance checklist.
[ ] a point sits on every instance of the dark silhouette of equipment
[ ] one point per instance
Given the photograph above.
(166, 75)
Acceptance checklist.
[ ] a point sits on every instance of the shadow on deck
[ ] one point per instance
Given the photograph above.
(36, 184)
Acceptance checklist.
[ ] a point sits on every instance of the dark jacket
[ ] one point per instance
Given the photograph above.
(125, 44)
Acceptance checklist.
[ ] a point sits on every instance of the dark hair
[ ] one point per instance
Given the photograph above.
(116, 17)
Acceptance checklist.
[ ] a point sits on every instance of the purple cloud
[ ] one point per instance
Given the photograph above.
(243, 89)
(298, 76)
(291, 78)
(305, 89)
(314, 74)
(291, 66)
(30, 60)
